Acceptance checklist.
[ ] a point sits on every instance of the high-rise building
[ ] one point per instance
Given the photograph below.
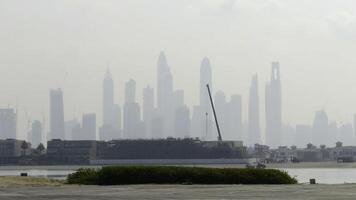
(8, 121)
(89, 126)
(222, 113)
(274, 108)
(164, 83)
(178, 98)
(68, 127)
(198, 123)
(320, 128)
(205, 120)
(116, 118)
(347, 136)
(133, 126)
(254, 130)
(148, 109)
(333, 133)
(36, 133)
(56, 115)
(235, 117)
(111, 128)
(303, 134)
(205, 78)
(182, 122)
(108, 99)
(157, 125)
(130, 91)
(354, 124)
(165, 94)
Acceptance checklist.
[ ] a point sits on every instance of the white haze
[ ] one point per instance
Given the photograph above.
(69, 44)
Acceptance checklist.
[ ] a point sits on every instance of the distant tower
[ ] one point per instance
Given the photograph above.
(133, 127)
(205, 78)
(254, 131)
(116, 120)
(354, 124)
(164, 82)
(108, 99)
(111, 128)
(222, 112)
(165, 94)
(8, 121)
(148, 110)
(274, 108)
(182, 122)
(69, 133)
(130, 91)
(36, 133)
(235, 117)
(89, 126)
(56, 115)
(320, 128)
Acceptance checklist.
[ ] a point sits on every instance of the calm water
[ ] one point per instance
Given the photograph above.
(322, 175)
(55, 174)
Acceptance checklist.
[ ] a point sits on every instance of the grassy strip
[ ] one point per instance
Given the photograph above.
(13, 181)
(121, 175)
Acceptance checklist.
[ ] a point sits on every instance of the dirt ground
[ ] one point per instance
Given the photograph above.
(276, 192)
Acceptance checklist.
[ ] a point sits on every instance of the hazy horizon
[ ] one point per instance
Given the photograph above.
(70, 44)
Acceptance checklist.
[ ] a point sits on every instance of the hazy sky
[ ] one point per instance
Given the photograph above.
(69, 44)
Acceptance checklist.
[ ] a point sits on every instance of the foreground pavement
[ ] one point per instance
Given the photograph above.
(276, 192)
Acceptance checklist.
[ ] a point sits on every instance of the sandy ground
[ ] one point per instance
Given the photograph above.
(276, 192)
(18, 181)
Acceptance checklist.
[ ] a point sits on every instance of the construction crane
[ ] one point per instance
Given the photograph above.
(216, 119)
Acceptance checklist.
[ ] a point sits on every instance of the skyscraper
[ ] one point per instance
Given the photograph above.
(320, 128)
(56, 115)
(164, 83)
(8, 121)
(274, 108)
(182, 122)
(116, 120)
(111, 127)
(133, 126)
(205, 120)
(222, 113)
(69, 126)
(254, 130)
(36, 133)
(235, 117)
(108, 99)
(165, 95)
(148, 109)
(205, 78)
(89, 127)
(347, 136)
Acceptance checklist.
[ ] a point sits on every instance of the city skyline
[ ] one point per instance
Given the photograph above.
(315, 48)
(172, 117)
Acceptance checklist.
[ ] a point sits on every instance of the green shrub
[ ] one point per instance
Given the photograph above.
(119, 175)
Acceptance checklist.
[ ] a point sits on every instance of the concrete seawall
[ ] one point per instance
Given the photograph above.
(170, 161)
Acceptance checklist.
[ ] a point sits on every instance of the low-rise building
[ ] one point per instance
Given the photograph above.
(71, 152)
(11, 150)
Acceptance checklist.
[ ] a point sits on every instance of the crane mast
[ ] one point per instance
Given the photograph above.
(216, 120)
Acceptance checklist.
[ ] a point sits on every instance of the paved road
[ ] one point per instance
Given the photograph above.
(276, 192)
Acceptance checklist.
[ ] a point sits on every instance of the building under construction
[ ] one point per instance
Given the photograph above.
(98, 152)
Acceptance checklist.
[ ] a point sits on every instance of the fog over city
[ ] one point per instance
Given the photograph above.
(45, 45)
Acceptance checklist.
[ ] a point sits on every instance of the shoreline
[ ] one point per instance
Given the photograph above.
(269, 166)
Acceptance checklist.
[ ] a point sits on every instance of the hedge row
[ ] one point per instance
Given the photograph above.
(121, 175)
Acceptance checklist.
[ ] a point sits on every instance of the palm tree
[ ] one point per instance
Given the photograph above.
(40, 148)
(24, 147)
